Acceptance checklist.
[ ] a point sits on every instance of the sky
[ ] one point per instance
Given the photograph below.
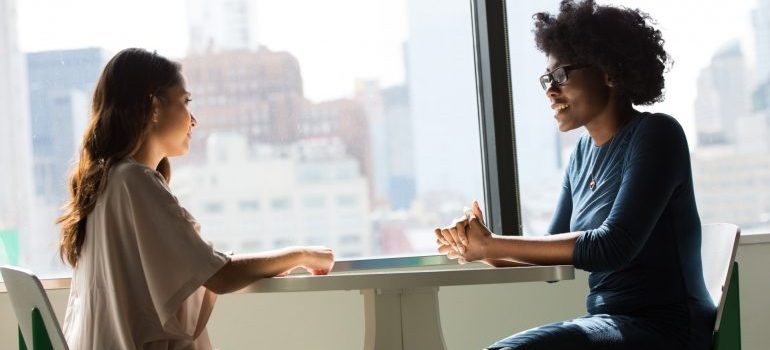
(335, 48)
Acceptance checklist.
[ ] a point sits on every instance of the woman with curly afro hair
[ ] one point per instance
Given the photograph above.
(627, 210)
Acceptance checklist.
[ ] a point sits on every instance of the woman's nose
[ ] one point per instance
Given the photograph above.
(193, 120)
(552, 90)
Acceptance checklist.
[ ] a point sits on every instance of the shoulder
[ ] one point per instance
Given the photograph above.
(131, 174)
(660, 135)
(658, 128)
(663, 124)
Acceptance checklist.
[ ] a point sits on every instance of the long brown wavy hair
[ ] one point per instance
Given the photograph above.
(121, 115)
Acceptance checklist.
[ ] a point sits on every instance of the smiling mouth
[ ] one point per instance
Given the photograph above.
(560, 107)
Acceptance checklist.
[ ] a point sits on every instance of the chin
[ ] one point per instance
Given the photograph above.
(564, 127)
(568, 125)
(179, 152)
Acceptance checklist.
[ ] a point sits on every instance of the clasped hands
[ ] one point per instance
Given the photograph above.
(467, 238)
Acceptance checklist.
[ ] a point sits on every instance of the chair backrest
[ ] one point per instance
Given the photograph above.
(718, 247)
(27, 293)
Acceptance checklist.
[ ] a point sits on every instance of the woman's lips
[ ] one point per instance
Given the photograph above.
(558, 107)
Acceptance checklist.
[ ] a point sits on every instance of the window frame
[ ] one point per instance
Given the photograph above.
(496, 117)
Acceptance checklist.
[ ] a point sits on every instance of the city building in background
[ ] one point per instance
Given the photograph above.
(731, 164)
(61, 85)
(369, 96)
(256, 93)
(250, 197)
(722, 98)
(344, 119)
(733, 187)
(400, 178)
(251, 103)
(761, 24)
(16, 192)
(223, 25)
(760, 99)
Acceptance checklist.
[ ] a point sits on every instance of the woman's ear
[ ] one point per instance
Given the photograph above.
(155, 108)
(608, 81)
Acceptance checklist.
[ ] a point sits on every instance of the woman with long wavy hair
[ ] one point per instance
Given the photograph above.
(143, 278)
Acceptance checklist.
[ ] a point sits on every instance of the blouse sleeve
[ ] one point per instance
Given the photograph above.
(656, 165)
(175, 260)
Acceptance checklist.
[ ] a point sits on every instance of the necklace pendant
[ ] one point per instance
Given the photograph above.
(592, 185)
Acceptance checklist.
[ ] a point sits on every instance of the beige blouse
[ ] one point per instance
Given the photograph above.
(139, 279)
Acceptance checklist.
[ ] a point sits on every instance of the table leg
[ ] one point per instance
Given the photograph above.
(402, 319)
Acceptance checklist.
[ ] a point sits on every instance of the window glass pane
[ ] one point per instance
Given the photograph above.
(280, 204)
(248, 205)
(368, 104)
(213, 207)
(314, 201)
(718, 89)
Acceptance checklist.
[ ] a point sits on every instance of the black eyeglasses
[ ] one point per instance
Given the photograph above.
(559, 76)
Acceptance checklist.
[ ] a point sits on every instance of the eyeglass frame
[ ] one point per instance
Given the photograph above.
(566, 68)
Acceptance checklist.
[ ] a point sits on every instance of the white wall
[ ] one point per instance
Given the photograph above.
(472, 316)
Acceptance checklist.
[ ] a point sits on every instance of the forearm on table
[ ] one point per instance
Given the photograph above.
(545, 250)
(244, 269)
(269, 263)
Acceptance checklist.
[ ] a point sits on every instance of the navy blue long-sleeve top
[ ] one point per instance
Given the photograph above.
(641, 234)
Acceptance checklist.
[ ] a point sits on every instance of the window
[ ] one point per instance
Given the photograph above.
(718, 89)
(290, 105)
(248, 206)
(213, 207)
(314, 201)
(347, 200)
(280, 204)
(331, 111)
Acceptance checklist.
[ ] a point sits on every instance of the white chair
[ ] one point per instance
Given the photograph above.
(38, 327)
(720, 272)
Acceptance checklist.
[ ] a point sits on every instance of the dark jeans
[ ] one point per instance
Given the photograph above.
(658, 329)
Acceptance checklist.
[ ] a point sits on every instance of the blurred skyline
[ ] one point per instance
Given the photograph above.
(310, 30)
(374, 50)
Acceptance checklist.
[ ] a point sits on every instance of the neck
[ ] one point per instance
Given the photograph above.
(149, 155)
(604, 126)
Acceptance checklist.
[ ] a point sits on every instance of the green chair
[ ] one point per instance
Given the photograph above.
(720, 271)
(38, 327)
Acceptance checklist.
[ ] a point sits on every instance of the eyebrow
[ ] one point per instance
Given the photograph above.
(551, 68)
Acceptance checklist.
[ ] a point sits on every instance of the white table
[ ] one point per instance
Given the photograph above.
(401, 307)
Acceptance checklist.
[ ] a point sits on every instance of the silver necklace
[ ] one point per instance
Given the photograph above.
(592, 184)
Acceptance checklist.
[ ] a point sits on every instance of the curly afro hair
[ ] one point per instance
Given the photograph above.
(619, 41)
